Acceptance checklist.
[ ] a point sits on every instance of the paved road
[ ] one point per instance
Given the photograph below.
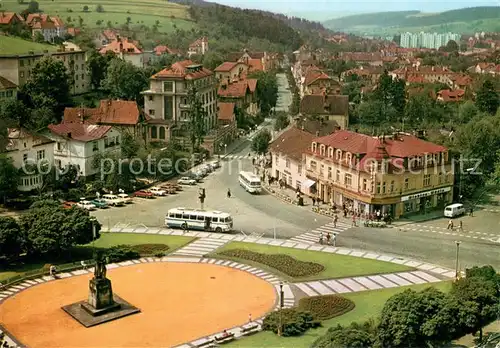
(284, 95)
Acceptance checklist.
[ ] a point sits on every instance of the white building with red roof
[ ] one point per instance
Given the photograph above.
(397, 174)
(49, 27)
(125, 49)
(78, 144)
(199, 46)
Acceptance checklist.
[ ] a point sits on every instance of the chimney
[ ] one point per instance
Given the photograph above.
(433, 68)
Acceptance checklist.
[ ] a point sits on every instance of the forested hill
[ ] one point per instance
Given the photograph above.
(414, 18)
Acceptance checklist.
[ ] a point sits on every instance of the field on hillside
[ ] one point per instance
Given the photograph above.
(14, 45)
(145, 12)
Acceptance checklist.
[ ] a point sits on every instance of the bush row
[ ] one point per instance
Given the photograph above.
(283, 263)
(326, 307)
(120, 253)
(294, 322)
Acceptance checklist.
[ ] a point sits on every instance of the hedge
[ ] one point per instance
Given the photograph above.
(283, 263)
(293, 321)
(326, 307)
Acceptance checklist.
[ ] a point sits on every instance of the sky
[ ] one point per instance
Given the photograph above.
(327, 9)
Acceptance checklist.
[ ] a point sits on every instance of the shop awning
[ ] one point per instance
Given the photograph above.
(308, 183)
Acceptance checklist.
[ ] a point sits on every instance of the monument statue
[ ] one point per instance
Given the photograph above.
(100, 268)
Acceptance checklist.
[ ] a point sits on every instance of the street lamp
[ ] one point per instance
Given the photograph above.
(225, 149)
(282, 302)
(467, 171)
(457, 271)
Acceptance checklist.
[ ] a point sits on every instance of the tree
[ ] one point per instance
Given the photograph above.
(9, 176)
(125, 81)
(197, 116)
(352, 336)
(10, 238)
(260, 143)
(267, 91)
(4, 136)
(14, 113)
(128, 20)
(48, 87)
(80, 21)
(420, 109)
(48, 228)
(212, 59)
(39, 37)
(99, 8)
(282, 121)
(85, 8)
(129, 146)
(467, 111)
(451, 46)
(98, 66)
(487, 99)
(33, 7)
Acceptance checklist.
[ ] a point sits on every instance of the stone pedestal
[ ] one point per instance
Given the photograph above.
(100, 299)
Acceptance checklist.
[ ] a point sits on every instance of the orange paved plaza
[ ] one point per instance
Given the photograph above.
(179, 302)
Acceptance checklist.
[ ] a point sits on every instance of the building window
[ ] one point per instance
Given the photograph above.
(365, 185)
(277, 159)
(299, 168)
(337, 176)
(40, 155)
(162, 133)
(21, 74)
(168, 86)
(287, 163)
(330, 152)
(338, 154)
(289, 181)
(322, 169)
(322, 150)
(151, 112)
(392, 186)
(383, 187)
(313, 165)
(330, 173)
(314, 145)
(298, 184)
(440, 178)
(154, 134)
(348, 180)
(378, 187)
(407, 184)
(427, 180)
(169, 108)
(95, 146)
(25, 157)
(150, 98)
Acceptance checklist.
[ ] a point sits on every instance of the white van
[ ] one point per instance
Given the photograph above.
(454, 210)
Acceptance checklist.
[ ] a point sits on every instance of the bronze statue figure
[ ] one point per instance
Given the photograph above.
(100, 268)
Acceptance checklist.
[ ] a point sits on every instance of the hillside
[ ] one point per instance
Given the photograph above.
(14, 45)
(478, 18)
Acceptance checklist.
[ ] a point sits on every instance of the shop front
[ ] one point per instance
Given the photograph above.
(423, 202)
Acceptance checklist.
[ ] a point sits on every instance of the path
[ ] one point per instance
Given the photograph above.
(313, 236)
(201, 247)
(490, 237)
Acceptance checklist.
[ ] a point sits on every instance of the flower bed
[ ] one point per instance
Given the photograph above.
(150, 249)
(326, 307)
(283, 263)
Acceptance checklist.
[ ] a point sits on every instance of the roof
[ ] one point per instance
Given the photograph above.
(226, 111)
(121, 45)
(252, 84)
(16, 134)
(198, 43)
(117, 112)
(38, 24)
(8, 17)
(234, 90)
(6, 84)
(110, 34)
(324, 104)
(185, 69)
(79, 131)
(451, 96)
(255, 64)
(318, 127)
(161, 49)
(43, 21)
(226, 66)
(315, 75)
(292, 143)
(356, 143)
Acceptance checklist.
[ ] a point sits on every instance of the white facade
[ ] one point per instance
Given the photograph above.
(427, 40)
(82, 153)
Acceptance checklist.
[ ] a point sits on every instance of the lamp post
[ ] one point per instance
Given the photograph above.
(457, 271)
(467, 171)
(225, 149)
(280, 326)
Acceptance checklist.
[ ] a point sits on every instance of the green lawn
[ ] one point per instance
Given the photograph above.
(142, 12)
(14, 45)
(368, 305)
(105, 241)
(336, 266)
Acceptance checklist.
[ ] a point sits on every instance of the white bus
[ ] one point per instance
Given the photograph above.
(250, 182)
(196, 219)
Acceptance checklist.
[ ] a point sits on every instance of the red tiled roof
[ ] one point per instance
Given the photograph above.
(462, 80)
(6, 84)
(313, 76)
(198, 42)
(79, 132)
(182, 70)
(292, 143)
(121, 45)
(36, 24)
(233, 90)
(162, 49)
(110, 34)
(319, 104)
(117, 112)
(34, 18)
(226, 66)
(451, 96)
(356, 143)
(74, 31)
(252, 84)
(255, 64)
(226, 111)
(9, 17)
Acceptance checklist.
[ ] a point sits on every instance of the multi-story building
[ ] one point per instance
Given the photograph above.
(78, 144)
(18, 67)
(427, 40)
(166, 101)
(398, 174)
(49, 26)
(126, 50)
(8, 89)
(199, 46)
(30, 153)
(242, 92)
(228, 72)
(10, 18)
(327, 107)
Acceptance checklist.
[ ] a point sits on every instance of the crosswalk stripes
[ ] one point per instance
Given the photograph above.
(233, 157)
(313, 236)
(200, 247)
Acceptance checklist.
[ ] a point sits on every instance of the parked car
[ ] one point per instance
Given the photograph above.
(87, 205)
(186, 181)
(207, 168)
(215, 165)
(126, 198)
(99, 203)
(144, 194)
(158, 191)
(113, 200)
(169, 188)
(68, 205)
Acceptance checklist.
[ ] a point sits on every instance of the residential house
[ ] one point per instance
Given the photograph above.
(49, 26)
(121, 114)
(461, 81)
(18, 67)
(228, 72)
(10, 19)
(398, 174)
(29, 153)
(257, 61)
(326, 107)
(287, 163)
(315, 80)
(106, 37)
(427, 74)
(126, 49)
(227, 127)
(162, 49)
(447, 96)
(242, 93)
(486, 68)
(316, 126)
(368, 58)
(199, 46)
(370, 75)
(78, 145)
(8, 89)
(166, 102)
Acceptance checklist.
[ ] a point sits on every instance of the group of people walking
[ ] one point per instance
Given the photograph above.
(451, 226)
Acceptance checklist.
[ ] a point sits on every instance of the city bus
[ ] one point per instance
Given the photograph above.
(250, 182)
(197, 219)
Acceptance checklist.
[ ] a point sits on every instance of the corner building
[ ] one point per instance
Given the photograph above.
(398, 174)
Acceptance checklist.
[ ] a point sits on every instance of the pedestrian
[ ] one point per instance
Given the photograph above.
(450, 225)
(471, 211)
(460, 226)
(321, 238)
(250, 318)
(314, 201)
(328, 237)
(335, 219)
(354, 221)
(228, 193)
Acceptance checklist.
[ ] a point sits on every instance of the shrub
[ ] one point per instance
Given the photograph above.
(149, 249)
(121, 253)
(99, 8)
(283, 263)
(294, 322)
(326, 307)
